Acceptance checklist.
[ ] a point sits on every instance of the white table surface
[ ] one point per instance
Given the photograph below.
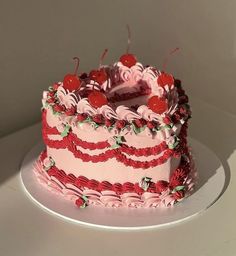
(25, 229)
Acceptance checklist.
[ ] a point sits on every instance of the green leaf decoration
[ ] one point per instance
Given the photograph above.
(118, 141)
(50, 88)
(83, 206)
(175, 144)
(137, 129)
(155, 129)
(95, 125)
(66, 131)
(110, 128)
(87, 120)
(80, 124)
(145, 183)
(85, 198)
(45, 105)
(178, 188)
(115, 146)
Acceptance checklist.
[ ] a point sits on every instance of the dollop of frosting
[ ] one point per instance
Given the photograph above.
(133, 73)
(124, 113)
(67, 98)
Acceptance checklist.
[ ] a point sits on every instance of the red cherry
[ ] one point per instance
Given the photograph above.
(97, 99)
(165, 79)
(100, 76)
(71, 82)
(128, 60)
(157, 105)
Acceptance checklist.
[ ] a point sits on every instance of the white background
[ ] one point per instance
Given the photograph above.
(39, 38)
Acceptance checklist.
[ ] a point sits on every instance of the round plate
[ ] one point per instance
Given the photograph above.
(210, 186)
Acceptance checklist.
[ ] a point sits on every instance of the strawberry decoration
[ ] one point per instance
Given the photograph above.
(72, 82)
(97, 99)
(157, 104)
(128, 59)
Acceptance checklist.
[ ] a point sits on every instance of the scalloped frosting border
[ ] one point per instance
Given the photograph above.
(82, 191)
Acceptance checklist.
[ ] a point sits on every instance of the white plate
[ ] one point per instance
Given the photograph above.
(210, 186)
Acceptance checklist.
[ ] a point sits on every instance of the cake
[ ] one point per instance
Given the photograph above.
(117, 137)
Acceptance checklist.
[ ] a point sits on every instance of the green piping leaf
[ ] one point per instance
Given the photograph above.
(66, 131)
(178, 188)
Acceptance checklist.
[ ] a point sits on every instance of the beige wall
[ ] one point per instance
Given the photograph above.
(38, 39)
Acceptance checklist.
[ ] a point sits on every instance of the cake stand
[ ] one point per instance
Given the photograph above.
(211, 180)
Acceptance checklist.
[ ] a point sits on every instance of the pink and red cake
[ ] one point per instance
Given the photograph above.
(117, 137)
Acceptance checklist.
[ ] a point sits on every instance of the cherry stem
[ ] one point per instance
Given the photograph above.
(129, 38)
(77, 64)
(167, 58)
(102, 57)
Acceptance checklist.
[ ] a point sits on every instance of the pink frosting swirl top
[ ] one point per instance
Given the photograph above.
(129, 77)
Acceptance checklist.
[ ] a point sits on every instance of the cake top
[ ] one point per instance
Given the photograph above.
(121, 94)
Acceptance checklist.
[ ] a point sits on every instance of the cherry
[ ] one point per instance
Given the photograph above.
(72, 82)
(128, 60)
(97, 99)
(157, 105)
(165, 79)
(100, 76)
